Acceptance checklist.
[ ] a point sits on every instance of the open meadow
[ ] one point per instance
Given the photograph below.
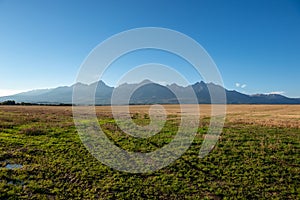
(256, 157)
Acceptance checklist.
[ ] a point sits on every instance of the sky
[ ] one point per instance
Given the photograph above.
(255, 44)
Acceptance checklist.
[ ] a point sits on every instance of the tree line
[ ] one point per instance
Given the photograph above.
(12, 102)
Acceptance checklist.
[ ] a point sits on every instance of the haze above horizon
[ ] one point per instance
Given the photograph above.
(255, 44)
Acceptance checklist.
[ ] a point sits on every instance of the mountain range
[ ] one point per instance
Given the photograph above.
(147, 92)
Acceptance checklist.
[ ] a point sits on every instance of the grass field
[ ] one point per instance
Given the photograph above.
(256, 157)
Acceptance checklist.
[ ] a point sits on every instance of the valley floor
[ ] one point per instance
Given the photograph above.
(256, 157)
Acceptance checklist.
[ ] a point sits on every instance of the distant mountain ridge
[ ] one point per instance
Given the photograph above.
(146, 92)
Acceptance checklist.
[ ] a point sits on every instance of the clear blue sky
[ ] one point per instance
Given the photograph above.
(255, 43)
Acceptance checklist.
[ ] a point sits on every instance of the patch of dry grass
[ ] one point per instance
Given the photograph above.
(266, 115)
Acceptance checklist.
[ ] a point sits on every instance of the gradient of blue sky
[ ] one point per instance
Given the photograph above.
(254, 43)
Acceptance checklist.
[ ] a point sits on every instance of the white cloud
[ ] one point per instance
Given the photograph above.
(276, 92)
(7, 92)
(240, 85)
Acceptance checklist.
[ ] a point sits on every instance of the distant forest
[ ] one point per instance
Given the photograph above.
(12, 103)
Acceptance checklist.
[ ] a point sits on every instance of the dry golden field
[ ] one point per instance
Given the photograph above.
(268, 115)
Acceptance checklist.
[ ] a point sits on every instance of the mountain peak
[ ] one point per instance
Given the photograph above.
(78, 84)
(201, 83)
(146, 81)
(98, 83)
(173, 85)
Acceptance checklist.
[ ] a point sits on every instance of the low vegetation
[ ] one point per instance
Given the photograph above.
(250, 161)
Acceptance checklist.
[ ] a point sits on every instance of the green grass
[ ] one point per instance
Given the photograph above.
(248, 162)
